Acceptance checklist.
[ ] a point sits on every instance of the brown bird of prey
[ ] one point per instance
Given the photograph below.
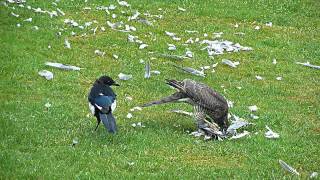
(210, 108)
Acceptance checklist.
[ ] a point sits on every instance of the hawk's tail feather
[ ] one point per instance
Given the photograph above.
(174, 97)
(174, 83)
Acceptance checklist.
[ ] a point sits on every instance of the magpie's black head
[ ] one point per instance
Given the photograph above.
(107, 81)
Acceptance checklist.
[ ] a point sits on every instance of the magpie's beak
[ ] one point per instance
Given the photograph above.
(116, 84)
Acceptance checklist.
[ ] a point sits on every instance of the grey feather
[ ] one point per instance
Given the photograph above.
(62, 66)
(309, 65)
(174, 57)
(147, 68)
(288, 168)
(192, 71)
(174, 97)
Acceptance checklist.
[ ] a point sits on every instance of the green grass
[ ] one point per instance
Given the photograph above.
(36, 142)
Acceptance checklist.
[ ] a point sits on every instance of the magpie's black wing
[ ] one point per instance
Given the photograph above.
(103, 103)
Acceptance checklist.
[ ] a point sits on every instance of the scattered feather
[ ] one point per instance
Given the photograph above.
(257, 28)
(35, 28)
(236, 124)
(219, 47)
(172, 47)
(181, 9)
(314, 175)
(182, 112)
(197, 134)
(192, 71)
(279, 78)
(86, 8)
(269, 24)
(309, 65)
(46, 74)
(124, 76)
(134, 16)
(230, 104)
(288, 168)
(138, 124)
(129, 116)
(253, 108)
(217, 34)
(99, 53)
(274, 61)
(67, 43)
(189, 41)
(259, 77)
(114, 25)
(245, 133)
(156, 72)
(129, 98)
(190, 31)
(15, 15)
(145, 21)
(48, 105)
(53, 14)
(75, 141)
(28, 20)
(142, 46)
(176, 38)
(170, 34)
(254, 116)
(170, 56)
(123, 3)
(240, 33)
(270, 134)
(141, 61)
(63, 66)
(137, 108)
(230, 63)
(189, 54)
(61, 12)
(112, 7)
(147, 73)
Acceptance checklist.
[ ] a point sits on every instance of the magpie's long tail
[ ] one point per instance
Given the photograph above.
(174, 97)
(109, 122)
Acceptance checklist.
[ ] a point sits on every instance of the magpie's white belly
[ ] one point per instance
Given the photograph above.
(91, 108)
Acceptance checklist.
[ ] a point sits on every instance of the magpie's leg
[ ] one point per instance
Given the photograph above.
(98, 123)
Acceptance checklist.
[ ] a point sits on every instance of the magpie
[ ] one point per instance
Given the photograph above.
(210, 108)
(102, 102)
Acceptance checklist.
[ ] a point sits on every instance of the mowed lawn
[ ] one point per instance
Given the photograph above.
(36, 141)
